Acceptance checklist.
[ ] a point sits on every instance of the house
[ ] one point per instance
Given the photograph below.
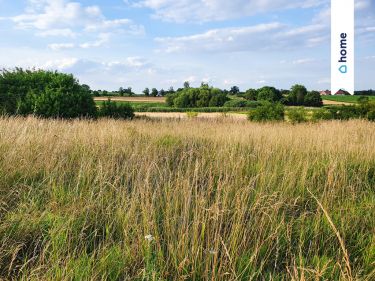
(325, 93)
(341, 93)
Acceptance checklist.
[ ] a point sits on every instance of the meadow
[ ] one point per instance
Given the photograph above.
(193, 199)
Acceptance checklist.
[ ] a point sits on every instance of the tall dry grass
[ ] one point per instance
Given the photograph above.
(186, 200)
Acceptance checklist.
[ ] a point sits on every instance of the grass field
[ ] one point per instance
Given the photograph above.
(346, 99)
(186, 200)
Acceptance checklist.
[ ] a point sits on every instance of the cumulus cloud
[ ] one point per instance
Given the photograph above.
(63, 32)
(270, 36)
(212, 10)
(61, 17)
(57, 47)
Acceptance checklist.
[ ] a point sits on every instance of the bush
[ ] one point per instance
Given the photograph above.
(346, 112)
(267, 112)
(116, 110)
(297, 115)
(44, 93)
(322, 114)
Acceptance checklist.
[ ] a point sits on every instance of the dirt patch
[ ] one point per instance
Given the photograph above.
(330, 102)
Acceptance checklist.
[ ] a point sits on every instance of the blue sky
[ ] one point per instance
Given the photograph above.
(162, 43)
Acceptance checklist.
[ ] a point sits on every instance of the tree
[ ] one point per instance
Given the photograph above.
(186, 84)
(234, 90)
(269, 94)
(161, 93)
(205, 96)
(171, 90)
(154, 92)
(121, 91)
(313, 99)
(44, 93)
(146, 92)
(251, 94)
(297, 95)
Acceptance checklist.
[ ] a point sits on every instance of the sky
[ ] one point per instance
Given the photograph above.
(162, 43)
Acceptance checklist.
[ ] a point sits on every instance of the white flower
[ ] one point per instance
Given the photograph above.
(149, 238)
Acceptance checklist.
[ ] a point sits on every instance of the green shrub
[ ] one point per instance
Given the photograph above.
(44, 93)
(116, 110)
(267, 112)
(297, 115)
(322, 114)
(346, 112)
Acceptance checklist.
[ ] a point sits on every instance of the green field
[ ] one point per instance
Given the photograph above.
(348, 99)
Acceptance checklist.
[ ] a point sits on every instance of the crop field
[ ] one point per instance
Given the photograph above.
(133, 99)
(345, 99)
(194, 199)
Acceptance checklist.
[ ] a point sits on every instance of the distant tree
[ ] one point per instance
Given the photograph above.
(297, 95)
(146, 92)
(154, 92)
(313, 99)
(161, 93)
(204, 96)
(234, 90)
(251, 94)
(128, 92)
(269, 94)
(171, 90)
(121, 91)
(186, 84)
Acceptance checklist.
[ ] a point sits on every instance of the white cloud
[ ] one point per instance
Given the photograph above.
(59, 17)
(270, 36)
(212, 10)
(58, 47)
(303, 61)
(101, 40)
(60, 64)
(225, 39)
(64, 32)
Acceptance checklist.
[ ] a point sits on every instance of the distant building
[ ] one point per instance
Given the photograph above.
(341, 93)
(325, 93)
